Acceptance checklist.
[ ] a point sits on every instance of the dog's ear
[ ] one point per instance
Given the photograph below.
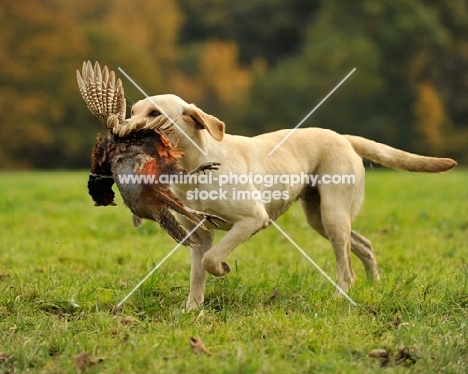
(213, 125)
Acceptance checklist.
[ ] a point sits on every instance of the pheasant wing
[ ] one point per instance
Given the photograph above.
(102, 93)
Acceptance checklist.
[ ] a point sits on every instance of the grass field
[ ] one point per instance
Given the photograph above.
(65, 264)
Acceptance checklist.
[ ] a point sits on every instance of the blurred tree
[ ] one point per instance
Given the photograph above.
(211, 77)
(430, 118)
(141, 39)
(398, 48)
(42, 43)
(448, 71)
(267, 29)
(258, 65)
(221, 74)
(38, 51)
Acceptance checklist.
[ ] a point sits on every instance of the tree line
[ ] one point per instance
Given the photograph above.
(258, 65)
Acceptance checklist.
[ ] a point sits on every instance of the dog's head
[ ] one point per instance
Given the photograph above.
(189, 119)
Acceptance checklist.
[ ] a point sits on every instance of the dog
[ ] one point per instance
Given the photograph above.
(329, 208)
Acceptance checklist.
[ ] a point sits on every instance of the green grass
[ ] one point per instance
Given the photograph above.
(58, 250)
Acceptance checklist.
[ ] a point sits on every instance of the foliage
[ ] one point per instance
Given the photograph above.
(265, 29)
(399, 48)
(39, 49)
(430, 114)
(65, 264)
(259, 65)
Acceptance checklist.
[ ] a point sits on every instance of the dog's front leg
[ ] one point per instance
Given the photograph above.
(197, 272)
(239, 233)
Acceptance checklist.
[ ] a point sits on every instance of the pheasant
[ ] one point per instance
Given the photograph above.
(134, 156)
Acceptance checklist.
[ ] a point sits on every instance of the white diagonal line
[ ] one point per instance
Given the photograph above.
(314, 263)
(162, 111)
(160, 263)
(310, 113)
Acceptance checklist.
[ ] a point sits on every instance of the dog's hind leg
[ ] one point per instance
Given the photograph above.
(333, 226)
(336, 221)
(362, 247)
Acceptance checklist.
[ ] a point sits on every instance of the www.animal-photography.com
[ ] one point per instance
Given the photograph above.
(193, 186)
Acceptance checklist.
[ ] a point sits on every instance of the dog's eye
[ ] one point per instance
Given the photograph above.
(132, 112)
(154, 113)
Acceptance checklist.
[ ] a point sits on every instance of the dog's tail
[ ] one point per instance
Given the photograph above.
(397, 159)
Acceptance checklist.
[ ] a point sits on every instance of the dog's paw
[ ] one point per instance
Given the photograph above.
(226, 268)
(218, 270)
(192, 310)
(193, 304)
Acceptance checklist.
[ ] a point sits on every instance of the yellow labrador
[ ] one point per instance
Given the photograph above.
(323, 154)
